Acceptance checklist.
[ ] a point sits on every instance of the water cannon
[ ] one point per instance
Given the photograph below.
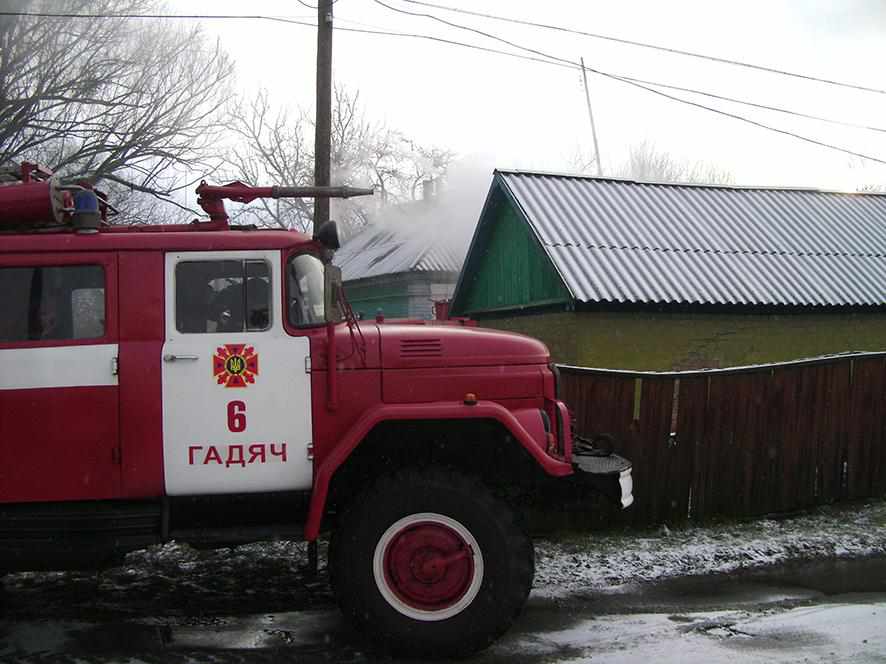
(211, 197)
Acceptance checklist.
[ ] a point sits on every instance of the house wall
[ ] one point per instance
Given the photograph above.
(422, 295)
(367, 296)
(670, 341)
(407, 295)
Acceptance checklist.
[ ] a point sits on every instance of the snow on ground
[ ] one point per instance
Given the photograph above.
(824, 633)
(597, 561)
(177, 603)
(175, 576)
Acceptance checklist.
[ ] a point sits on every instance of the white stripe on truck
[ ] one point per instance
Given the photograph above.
(57, 366)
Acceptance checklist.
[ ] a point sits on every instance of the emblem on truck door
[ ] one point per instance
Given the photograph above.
(235, 365)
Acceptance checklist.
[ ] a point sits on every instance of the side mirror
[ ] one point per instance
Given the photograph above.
(327, 235)
(331, 300)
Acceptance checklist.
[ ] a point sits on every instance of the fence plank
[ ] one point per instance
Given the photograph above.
(701, 499)
(863, 425)
(877, 423)
(752, 438)
(837, 420)
(768, 477)
(867, 441)
(785, 438)
(651, 435)
(722, 461)
(690, 447)
(806, 430)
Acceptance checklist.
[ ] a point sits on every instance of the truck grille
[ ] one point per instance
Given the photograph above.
(420, 348)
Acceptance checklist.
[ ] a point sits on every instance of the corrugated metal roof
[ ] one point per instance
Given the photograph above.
(624, 241)
(396, 248)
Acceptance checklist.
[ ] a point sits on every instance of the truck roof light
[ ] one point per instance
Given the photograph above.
(86, 216)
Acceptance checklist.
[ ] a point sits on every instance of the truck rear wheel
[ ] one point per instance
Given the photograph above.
(430, 563)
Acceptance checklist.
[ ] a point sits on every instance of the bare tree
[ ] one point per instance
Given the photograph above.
(865, 182)
(647, 163)
(274, 146)
(132, 102)
(270, 147)
(581, 162)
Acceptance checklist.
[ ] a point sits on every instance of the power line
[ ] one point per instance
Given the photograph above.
(744, 119)
(765, 107)
(382, 32)
(252, 17)
(452, 42)
(310, 6)
(570, 64)
(375, 30)
(543, 58)
(281, 19)
(479, 32)
(641, 86)
(666, 49)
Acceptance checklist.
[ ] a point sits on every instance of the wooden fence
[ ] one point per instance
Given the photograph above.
(740, 442)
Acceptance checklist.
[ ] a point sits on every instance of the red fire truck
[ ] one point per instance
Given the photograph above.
(208, 383)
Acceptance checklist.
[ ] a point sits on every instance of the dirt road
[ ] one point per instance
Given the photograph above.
(177, 605)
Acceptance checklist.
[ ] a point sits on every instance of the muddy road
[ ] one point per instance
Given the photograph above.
(255, 604)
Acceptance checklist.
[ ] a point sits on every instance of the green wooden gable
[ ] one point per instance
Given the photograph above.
(506, 266)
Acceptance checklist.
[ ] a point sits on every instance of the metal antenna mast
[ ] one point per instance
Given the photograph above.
(584, 75)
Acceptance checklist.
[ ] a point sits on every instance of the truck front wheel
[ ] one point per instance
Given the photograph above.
(430, 563)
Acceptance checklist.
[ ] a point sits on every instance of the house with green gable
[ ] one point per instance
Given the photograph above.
(399, 269)
(649, 276)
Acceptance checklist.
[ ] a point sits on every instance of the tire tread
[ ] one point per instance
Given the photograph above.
(358, 607)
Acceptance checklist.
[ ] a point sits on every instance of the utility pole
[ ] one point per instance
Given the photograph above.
(322, 140)
(323, 124)
(584, 75)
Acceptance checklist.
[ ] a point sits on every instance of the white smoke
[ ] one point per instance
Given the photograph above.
(448, 218)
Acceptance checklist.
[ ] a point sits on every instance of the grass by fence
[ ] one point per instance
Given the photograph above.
(740, 442)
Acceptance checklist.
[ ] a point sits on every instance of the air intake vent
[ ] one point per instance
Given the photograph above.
(420, 348)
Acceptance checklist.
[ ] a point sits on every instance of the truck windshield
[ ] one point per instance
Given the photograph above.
(305, 290)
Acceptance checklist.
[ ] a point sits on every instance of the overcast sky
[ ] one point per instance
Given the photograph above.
(518, 114)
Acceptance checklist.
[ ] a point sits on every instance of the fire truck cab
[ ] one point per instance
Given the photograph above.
(206, 383)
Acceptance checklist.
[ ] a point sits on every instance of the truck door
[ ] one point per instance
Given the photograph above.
(236, 394)
(59, 421)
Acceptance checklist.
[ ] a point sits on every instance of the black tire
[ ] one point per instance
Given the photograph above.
(472, 601)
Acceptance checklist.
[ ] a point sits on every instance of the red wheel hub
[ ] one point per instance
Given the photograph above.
(428, 566)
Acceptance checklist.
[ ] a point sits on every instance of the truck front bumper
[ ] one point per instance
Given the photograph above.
(610, 474)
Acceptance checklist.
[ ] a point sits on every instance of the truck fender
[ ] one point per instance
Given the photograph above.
(425, 411)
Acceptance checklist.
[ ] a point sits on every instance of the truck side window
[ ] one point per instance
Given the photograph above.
(305, 290)
(55, 303)
(222, 296)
